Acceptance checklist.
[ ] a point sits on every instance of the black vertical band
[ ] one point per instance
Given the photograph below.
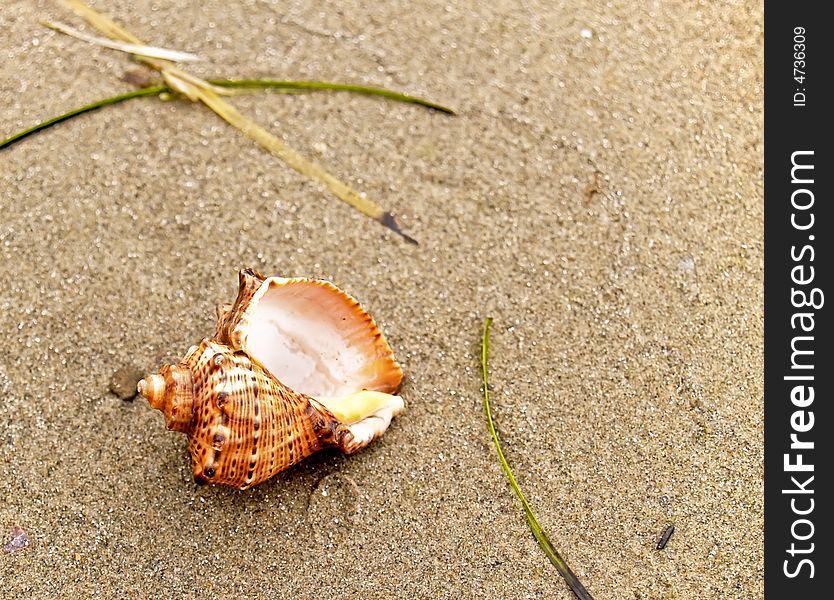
(798, 333)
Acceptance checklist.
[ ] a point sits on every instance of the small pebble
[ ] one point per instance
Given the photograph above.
(139, 77)
(123, 382)
(18, 541)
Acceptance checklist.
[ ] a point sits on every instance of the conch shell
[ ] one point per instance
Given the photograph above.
(294, 366)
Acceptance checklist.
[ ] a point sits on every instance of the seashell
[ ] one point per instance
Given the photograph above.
(295, 365)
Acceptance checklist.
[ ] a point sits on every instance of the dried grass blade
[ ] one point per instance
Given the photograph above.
(137, 49)
(101, 22)
(544, 543)
(300, 163)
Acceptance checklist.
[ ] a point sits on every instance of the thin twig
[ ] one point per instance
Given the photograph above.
(664, 538)
(538, 532)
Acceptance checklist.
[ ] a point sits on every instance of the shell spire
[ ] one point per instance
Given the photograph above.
(295, 365)
(170, 392)
(152, 388)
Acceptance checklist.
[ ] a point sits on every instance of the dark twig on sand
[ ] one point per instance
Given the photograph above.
(664, 538)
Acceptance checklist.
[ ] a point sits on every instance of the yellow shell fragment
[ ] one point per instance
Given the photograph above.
(295, 365)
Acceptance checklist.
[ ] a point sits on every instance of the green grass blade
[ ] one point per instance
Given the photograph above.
(229, 83)
(538, 532)
(149, 91)
(327, 86)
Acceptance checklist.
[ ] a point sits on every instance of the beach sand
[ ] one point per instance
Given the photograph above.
(599, 194)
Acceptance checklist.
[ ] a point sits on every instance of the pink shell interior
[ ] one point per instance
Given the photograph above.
(317, 340)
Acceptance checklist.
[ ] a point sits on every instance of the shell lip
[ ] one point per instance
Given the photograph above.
(312, 336)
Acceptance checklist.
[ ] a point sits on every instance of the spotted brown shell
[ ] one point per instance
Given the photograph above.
(295, 365)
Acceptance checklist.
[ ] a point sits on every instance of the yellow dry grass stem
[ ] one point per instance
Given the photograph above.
(149, 51)
(199, 90)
